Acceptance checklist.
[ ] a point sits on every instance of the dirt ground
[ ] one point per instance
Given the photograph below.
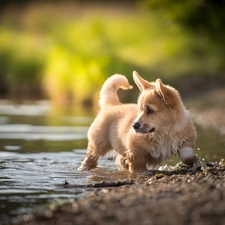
(163, 198)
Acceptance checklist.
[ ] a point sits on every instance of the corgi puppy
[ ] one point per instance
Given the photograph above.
(143, 134)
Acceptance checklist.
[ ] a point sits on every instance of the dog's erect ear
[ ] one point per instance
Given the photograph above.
(163, 91)
(140, 82)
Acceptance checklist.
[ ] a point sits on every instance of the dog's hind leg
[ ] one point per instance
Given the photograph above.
(91, 159)
(121, 162)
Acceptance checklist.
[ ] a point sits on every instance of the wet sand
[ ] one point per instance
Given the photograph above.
(162, 198)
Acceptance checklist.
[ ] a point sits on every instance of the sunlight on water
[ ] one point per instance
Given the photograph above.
(29, 132)
(41, 108)
(39, 174)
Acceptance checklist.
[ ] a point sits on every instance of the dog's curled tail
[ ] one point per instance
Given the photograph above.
(108, 94)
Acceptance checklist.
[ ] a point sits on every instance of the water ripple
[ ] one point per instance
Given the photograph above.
(29, 132)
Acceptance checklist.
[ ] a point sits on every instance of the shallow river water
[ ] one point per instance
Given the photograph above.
(39, 151)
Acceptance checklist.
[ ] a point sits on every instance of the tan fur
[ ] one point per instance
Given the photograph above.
(161, 126)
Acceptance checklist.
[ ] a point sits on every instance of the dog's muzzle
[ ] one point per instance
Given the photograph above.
(136, 125)
(139, 129)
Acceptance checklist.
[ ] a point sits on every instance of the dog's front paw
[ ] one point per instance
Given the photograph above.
(121, 162)
(191, 160)
(187, 156)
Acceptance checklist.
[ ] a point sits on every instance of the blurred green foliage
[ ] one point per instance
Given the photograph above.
(21, 62)
(199, 16)
(68, 57)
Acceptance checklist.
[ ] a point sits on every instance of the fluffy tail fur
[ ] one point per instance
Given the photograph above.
(108, 94)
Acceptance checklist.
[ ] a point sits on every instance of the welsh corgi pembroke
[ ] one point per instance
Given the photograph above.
(143, 134)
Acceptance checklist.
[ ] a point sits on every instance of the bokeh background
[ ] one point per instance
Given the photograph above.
(54, 58)
(64, 50)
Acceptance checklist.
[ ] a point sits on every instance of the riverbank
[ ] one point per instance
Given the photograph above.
(175, 197)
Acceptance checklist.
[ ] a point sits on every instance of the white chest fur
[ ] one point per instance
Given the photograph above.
(163, 145)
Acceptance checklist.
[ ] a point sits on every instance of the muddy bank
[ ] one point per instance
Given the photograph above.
(175, 197)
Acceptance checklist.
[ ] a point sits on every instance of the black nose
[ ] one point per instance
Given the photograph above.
(136, 125)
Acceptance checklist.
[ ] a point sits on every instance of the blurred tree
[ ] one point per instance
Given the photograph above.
(205, 17)
(21, 3)
(4, 3)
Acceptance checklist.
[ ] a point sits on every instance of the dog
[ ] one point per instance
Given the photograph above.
(143, 134)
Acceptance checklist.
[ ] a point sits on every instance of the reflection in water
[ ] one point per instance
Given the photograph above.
(37, 109)
(36, 157)
(37, 174)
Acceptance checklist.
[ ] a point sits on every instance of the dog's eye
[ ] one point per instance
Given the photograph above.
(149, 110)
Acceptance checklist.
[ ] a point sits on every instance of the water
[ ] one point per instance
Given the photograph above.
(40, 150)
